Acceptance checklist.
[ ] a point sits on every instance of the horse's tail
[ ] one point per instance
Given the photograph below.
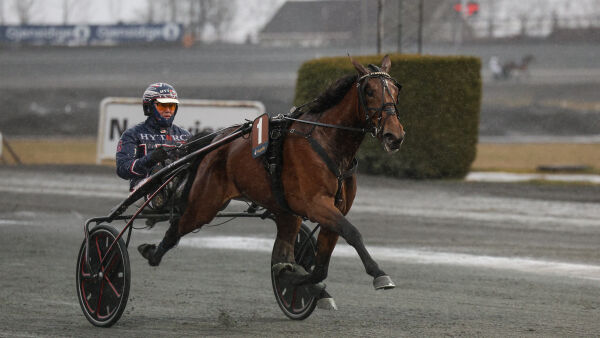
(198, 141)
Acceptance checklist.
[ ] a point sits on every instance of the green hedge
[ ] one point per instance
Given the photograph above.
(439, 109)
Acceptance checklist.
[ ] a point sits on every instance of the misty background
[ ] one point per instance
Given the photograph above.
(251, 50)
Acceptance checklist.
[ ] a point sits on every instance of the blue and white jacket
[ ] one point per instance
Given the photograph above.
(138, 142)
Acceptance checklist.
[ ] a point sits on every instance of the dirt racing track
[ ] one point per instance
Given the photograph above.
(472, 259)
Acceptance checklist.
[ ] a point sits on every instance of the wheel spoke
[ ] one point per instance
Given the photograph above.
(99, 298)
(98, 250)
(293, 302)
(112, 287)
(110, 263)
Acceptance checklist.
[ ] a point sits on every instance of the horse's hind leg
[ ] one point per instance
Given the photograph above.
(154, 253)
(210, 191)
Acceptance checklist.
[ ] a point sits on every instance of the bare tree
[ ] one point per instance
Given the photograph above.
(149, 15)
(155, 11)
(194, 17)
(222, 17)
(173, 7)
(214, 14)
(2, 12)
(199, 16)
(24, 10)
(115, 10)
(69, 7)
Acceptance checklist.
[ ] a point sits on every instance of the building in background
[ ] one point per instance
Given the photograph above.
(323, 23)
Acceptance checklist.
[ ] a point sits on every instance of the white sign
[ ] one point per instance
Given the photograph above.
(117, 114)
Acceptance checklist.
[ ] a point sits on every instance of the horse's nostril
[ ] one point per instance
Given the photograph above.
(392, 141)
(389, 137)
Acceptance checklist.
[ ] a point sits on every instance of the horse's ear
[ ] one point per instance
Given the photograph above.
(359, 68)
(386, 64)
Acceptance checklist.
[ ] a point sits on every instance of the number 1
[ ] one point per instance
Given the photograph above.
(259, 127)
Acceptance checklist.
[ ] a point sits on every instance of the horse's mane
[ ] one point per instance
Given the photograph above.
(333, 94)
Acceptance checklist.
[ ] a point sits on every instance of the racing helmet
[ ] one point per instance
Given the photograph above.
(158, 92)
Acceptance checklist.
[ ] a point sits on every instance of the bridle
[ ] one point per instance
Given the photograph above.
(390, 108)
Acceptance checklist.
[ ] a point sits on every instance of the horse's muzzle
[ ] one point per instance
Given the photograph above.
(392, 143)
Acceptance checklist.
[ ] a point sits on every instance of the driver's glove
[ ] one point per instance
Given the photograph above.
(158, 155)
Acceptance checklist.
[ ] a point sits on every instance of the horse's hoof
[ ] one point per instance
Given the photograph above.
(147, 251)
(383, 283)
(326, 302)
(277, 268)
(316, 289)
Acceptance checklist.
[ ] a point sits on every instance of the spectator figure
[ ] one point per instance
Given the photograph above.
(497, 71)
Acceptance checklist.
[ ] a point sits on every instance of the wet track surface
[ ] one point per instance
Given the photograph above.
(473, 259)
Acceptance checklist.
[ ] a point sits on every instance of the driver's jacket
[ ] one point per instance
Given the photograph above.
(138, 142)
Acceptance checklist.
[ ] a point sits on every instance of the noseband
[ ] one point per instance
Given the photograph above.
(389, 108)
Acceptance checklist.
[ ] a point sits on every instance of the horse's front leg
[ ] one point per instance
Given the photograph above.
(287, 230)
(284, 264)
(325, 244)
(331, 219)
(282, 257)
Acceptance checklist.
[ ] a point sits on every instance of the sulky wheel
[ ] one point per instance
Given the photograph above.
(297, 302)
(103, 290)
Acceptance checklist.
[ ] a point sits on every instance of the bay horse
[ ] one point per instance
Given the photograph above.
(517, 69)
(319, 147)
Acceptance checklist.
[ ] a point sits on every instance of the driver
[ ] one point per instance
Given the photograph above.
(143, 146)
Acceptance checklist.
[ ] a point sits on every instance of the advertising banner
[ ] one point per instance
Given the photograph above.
(80, 35)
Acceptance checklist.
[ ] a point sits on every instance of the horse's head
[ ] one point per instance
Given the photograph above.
(527, 59)
(378, 98)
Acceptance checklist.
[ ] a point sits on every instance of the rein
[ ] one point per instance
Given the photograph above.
(336, 126)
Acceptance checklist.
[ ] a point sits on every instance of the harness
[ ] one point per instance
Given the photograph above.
(333, 167)
(279, 126)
